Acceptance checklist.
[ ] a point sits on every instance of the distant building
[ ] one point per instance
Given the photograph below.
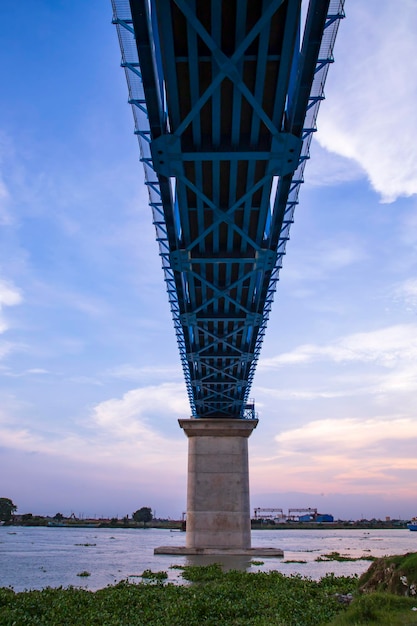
(277, 516)
(324, 517)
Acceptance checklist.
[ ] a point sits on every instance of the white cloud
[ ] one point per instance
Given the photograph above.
(120, 431)
(5, 217)
(363, 455)
(35, 371)
(5, 348)
(387, 347)
(369, 115)
(346, 435)
(130, 416)
(326, 168)
(408, 293)
(329, 256)
(304, 393)
(9, 296)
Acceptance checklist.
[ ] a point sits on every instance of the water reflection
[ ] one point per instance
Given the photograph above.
(241, 563)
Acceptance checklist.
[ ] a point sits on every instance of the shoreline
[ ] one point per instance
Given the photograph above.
(177, 525)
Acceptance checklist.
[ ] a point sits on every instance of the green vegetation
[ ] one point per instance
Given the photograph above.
(385, 596)
(394, 574)
(336, 556)
(156, 577)
(7, 508)
(143, 514)
(379, 609)
(231, 598)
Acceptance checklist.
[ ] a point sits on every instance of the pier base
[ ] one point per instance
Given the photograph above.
(218, 508)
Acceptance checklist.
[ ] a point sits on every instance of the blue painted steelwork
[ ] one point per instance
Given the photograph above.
(225, 95)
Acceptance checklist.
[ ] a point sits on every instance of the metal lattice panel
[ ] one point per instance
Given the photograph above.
(225, 96)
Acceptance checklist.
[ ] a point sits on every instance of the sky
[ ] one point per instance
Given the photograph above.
(91, 386)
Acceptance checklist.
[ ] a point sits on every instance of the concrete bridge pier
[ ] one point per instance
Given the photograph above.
(218, 513)
(218, 506)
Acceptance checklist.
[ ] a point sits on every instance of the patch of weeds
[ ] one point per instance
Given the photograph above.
(336, 556)
(84, 574)
(257, 562)
(86, 545)
(202, 573)
(156, 577)
(382, 609)
(175, 566)
(294, 561)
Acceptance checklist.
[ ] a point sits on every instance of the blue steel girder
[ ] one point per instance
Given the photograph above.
(225, 95)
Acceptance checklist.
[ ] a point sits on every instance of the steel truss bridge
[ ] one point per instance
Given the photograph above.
(225, 95)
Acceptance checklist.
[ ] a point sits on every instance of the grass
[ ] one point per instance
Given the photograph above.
(230, 599)
(383, 609)
(392, 574)
(387, 594)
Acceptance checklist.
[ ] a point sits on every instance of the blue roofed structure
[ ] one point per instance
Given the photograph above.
(225, 95)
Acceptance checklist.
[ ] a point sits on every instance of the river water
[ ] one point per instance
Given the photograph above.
(34, 558)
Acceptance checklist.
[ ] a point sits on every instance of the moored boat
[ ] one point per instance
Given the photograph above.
(413, 524)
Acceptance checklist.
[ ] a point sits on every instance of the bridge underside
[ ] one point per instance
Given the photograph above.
(225, 95)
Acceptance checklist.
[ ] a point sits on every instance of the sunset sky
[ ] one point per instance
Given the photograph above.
(91, 384)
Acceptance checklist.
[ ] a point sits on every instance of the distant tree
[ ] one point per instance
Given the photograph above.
(59, 517)
(143, 515)
(7, 508)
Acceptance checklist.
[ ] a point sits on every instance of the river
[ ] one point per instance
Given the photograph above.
(37, 557)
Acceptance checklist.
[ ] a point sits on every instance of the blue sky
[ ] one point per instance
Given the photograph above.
(91, 386)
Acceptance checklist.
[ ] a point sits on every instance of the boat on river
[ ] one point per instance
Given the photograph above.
(413, 524)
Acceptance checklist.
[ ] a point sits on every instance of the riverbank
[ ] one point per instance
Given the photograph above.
(215, 597)
(180, 525)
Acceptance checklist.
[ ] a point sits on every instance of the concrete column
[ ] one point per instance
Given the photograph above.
(218, 508)
(218, 513)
